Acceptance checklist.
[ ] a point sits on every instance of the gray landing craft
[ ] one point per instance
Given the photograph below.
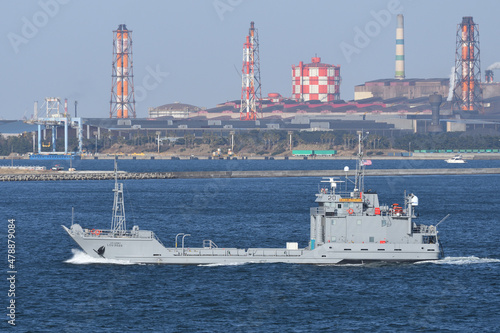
(346, 227)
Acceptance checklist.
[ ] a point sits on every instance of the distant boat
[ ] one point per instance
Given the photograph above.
(456, 159)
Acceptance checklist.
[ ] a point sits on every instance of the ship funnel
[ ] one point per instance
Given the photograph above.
(400, 49)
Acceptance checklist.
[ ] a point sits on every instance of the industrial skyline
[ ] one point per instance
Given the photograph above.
(187, 50)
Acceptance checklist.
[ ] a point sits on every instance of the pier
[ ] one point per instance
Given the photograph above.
(107, 175)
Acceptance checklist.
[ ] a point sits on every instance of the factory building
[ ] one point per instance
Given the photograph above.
(176, 110)
(409, 88)
(315, 81)
(490, 89)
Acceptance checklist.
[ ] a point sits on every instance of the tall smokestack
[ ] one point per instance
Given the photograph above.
(122, 104)
(468, 95)
(400, 49)
(488, 76)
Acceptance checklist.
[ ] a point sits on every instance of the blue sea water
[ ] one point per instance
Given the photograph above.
(231, 165)
(60, 289)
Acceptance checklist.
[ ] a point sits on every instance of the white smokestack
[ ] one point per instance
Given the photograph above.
(452, 84)
(400, 49)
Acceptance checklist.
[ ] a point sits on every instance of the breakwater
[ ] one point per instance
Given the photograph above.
(107, 175)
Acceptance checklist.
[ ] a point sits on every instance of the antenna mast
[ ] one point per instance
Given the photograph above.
(359, 184)
(118, 223)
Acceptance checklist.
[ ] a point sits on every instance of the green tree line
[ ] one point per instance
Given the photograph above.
(267, 141)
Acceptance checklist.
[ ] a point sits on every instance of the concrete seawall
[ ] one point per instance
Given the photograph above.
(106, 175)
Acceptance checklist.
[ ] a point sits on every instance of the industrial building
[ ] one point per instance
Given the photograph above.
(382, 124)
(315, 81)
(395, 88)
(176, 110)
(490, 89)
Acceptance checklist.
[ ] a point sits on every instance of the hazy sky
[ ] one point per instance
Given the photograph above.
(187, 50)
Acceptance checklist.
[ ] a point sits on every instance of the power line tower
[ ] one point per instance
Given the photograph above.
(467, 95)
(251, 94)
(122, 104)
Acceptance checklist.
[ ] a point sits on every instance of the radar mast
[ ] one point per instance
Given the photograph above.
(118, 223)
(359, 184)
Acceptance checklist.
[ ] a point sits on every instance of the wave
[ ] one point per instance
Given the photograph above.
(344, 265)
(82, 258)
(460, 261)
(224, 264)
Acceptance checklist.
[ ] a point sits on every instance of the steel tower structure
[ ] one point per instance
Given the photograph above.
(467, 94)
(122, 104)
(251, 94)
(118, 221)
(52, 118)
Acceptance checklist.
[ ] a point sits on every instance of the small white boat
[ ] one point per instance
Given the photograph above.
(456, 159)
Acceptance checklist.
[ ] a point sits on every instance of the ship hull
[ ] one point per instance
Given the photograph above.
(149, 250)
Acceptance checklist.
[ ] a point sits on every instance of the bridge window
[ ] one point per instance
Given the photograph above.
(372, 239)
(429, 239)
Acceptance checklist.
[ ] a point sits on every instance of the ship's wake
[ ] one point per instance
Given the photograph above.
(82, 258)
(224, 264)
(460, 261)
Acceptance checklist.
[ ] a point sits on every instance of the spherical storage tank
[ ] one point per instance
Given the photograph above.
(316, 81)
